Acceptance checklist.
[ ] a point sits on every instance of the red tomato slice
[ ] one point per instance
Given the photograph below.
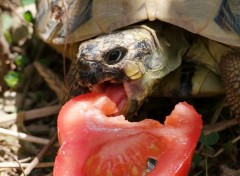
(93, 144)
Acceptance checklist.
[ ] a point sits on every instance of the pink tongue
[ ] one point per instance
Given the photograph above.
(115, 92)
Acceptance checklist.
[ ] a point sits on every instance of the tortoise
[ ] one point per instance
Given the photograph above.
(142, 45)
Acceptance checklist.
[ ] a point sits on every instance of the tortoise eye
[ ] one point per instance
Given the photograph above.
(115, 55)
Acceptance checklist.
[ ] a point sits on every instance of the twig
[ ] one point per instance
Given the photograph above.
(41, 112)
(226, 171)
(15, 165)
(235, 140)
(51, 78)
(24, 160)
(30, 114)
(218, 110)
(24, 136)
(36, 160)
(66, 39)
(13, 157)
(207, 129)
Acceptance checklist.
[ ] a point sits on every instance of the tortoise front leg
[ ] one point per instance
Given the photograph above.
(230, 72)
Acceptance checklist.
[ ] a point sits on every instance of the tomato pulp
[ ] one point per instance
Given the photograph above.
(94, 143)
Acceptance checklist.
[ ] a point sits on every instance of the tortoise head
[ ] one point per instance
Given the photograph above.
(134, 58)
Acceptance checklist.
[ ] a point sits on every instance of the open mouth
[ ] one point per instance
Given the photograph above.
(116, 92)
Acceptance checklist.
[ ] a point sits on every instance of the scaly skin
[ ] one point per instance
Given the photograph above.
(230, 72)
(145, 58)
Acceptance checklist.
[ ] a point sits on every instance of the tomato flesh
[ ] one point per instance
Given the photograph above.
(92, 143)
(129, 158)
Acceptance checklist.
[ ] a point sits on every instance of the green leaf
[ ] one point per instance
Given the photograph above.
(197, 159)
(28, 16)
(212, 138)
(27, 2)
(21, 61)
(12, 79)
(8, 36)
(202, 138)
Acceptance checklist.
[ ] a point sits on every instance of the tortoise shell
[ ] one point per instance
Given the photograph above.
(69, 21)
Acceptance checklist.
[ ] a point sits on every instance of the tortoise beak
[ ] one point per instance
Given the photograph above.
(140, 86)
(137, 92)
(130, 108)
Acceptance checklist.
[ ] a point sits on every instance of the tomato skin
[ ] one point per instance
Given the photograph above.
(85, 132)
(187, 121)
(77, 110)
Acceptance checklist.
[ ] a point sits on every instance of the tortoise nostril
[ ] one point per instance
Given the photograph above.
(94, 65)
(84, 66)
